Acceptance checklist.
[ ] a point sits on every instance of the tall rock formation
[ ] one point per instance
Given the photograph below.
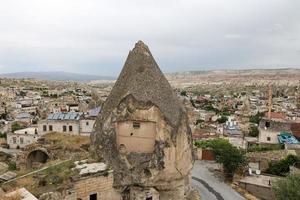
(143, 132)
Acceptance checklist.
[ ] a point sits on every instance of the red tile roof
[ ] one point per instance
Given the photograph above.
(276, 115)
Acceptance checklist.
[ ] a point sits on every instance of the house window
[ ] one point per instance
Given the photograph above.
(44, 128)
(87, 123)
(64, 128)
(93, 196)
(70, 128)
(136, 125)
(50, 128)
(14, 140)
(21, 140)
(267, 124)
(268, 139)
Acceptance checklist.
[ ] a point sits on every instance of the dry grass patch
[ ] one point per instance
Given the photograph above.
(15, 196)
(243, 192)
(66, 141)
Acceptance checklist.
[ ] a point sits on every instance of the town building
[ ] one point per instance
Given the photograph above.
(70, 122)
(24, 117)
(206, 116)
(94, 182)
(21, 138)
(269, 129)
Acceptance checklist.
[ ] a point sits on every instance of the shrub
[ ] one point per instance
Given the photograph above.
(199, 121)
(253, 131)
(12, 166)
(2, 135)
(282, 167)
(16, 126)
(287, 188)
(256, 118)
(222, 119)
(260, 147)
(183, 93)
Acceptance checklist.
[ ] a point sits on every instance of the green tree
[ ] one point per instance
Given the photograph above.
(229, 156)
(226, 154)
(287, 188)
(253, 131)
(256, 118)
(12, 166)
(183, 93)
(3, 116)
(282, 167)
(22, 93)
(2, 135)
(222, 119)
(16, 126)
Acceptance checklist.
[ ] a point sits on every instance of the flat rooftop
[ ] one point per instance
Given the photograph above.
(260, 180)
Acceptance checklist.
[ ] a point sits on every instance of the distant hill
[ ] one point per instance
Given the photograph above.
(238, 71)
(55, 75)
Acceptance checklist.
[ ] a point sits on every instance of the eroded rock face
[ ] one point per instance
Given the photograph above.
(143, 132)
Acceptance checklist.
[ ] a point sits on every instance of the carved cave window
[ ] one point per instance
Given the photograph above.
(136, 125)
(93, 196)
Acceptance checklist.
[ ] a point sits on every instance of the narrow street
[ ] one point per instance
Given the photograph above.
(209, 186)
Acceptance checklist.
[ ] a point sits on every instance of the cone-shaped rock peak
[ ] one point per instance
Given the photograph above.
(142, 78)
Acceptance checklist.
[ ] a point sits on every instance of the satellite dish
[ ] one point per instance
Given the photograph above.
(257, 172)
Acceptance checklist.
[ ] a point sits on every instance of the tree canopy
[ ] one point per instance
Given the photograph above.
(226, 154)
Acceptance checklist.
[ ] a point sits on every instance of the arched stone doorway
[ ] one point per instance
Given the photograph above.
(35, 157)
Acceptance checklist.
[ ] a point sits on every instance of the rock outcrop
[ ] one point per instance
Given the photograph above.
(143, 131)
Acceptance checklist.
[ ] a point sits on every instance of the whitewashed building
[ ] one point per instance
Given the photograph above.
(74, 123)
(21, 138)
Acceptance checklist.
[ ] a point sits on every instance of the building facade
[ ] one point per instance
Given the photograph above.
(74, 123)
(23, 137)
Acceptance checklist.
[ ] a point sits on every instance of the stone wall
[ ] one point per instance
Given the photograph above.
(86, 126)
(57, 126)
(100, 184)
(259, 191)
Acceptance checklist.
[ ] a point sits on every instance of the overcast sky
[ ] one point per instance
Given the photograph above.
(94, 36)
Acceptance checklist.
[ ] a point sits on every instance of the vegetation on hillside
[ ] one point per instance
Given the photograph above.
(287, 188)
(67, 142)
(222, 119)
(256, 118)
(253, 131)
(16, 126)
(282, 167)
(262, 147)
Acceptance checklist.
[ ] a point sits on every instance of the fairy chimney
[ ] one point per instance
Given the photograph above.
(143, 131)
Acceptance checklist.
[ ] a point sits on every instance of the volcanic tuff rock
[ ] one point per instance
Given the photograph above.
(143, 131)
(142, 78)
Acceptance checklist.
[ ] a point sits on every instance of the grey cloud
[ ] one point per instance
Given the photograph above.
(95, 36)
